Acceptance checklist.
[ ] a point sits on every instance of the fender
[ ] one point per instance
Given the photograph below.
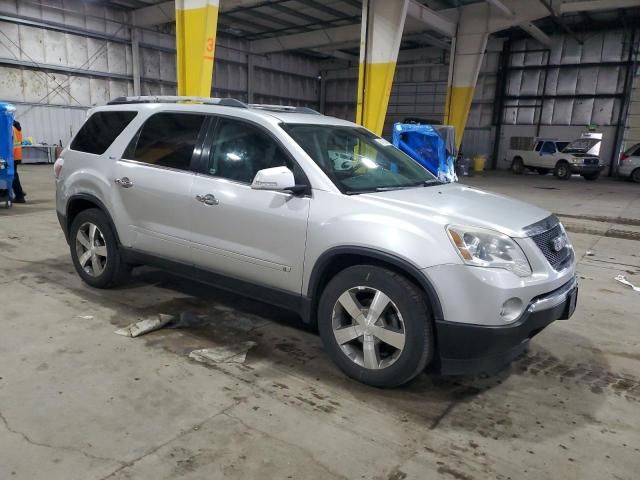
(316, 277)
(65, 221)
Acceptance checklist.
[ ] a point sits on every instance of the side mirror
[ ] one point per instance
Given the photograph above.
(277, 179)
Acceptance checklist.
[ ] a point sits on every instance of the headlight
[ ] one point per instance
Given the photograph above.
(487, 248)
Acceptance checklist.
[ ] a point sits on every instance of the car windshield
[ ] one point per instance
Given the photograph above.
(357, 161)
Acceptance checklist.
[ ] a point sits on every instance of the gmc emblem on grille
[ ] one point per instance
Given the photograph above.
(559, 243)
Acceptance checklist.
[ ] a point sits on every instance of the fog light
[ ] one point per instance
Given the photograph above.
(511, 309)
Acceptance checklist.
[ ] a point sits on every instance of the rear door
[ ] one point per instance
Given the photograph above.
(253, 235)
(153, 182)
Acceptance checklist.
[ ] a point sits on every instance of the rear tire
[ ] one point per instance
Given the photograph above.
(635, 175)
(591, 176)
(383, 349)
(562, 170)
(94, 250)
(517, 166)
(542, 171)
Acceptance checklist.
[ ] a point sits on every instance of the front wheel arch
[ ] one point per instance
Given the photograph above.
(337, 259)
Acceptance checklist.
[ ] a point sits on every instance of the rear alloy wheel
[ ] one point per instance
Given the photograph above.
(376, 325)
(562, 170)
(591, 176)
(635, 175)
(91, 249)
(94, 250)
(517, 166)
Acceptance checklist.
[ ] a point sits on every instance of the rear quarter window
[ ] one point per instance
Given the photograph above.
(100, 130)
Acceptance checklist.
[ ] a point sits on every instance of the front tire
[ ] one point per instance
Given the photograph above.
(94, 250)
(562, 170)
(376, 326)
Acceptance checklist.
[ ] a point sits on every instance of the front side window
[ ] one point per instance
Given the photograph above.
(100, 130)
(239, 150)
(166, 140)
(548, 148)
(357, 161)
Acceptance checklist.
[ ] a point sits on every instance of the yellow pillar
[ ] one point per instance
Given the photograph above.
(196, 25)
(382, 25)
(467, 53)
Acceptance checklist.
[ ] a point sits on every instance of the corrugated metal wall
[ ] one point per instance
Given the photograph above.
(632, 131)
(558, 93)
(82, 57)
(419, 91)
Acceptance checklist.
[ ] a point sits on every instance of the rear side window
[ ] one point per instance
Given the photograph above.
(100, 130)
(166, 140)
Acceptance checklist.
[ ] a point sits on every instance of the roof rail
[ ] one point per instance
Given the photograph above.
(223, 102)
(283, 108)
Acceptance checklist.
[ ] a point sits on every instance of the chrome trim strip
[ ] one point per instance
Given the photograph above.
(152, 165)
(541, 226)
(554, 298)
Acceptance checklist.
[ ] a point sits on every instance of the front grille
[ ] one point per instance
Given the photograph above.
(544, 241)
(591, 161)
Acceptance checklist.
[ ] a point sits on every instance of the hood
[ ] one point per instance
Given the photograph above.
(458, 204)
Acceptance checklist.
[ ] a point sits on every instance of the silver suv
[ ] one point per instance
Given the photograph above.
(320, 216)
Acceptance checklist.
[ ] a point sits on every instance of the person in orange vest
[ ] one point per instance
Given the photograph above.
(17, 157)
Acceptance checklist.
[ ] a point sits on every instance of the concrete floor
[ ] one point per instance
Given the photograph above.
(78, 402)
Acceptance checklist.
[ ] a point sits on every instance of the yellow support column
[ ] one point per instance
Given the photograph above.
(382, 25)
(467, 53)
(196, 26)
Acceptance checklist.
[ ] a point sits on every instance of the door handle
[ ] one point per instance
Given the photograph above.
(207, 199)
(124, 182)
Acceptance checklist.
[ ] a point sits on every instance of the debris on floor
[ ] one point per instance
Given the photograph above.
(184, 320)
(622, 279)
(223, 354)
(589, 253)
(145, 326)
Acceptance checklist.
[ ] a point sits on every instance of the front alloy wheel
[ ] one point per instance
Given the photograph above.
(368, 327)
(376, 325)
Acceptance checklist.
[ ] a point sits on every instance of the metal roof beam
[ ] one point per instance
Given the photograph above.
(316, 38)
(501, 6)
(591, 5)
(431, 18)
(536, 33)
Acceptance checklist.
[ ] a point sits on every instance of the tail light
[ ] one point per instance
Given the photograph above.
(57, 167)
(623, 157)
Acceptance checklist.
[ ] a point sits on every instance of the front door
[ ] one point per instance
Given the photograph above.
(153, 182)
(253, 235)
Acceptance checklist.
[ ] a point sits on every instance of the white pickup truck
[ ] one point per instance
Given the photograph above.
(582, 156)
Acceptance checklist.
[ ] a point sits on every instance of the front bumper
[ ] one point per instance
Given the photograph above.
(472, 349)
(578, 168)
